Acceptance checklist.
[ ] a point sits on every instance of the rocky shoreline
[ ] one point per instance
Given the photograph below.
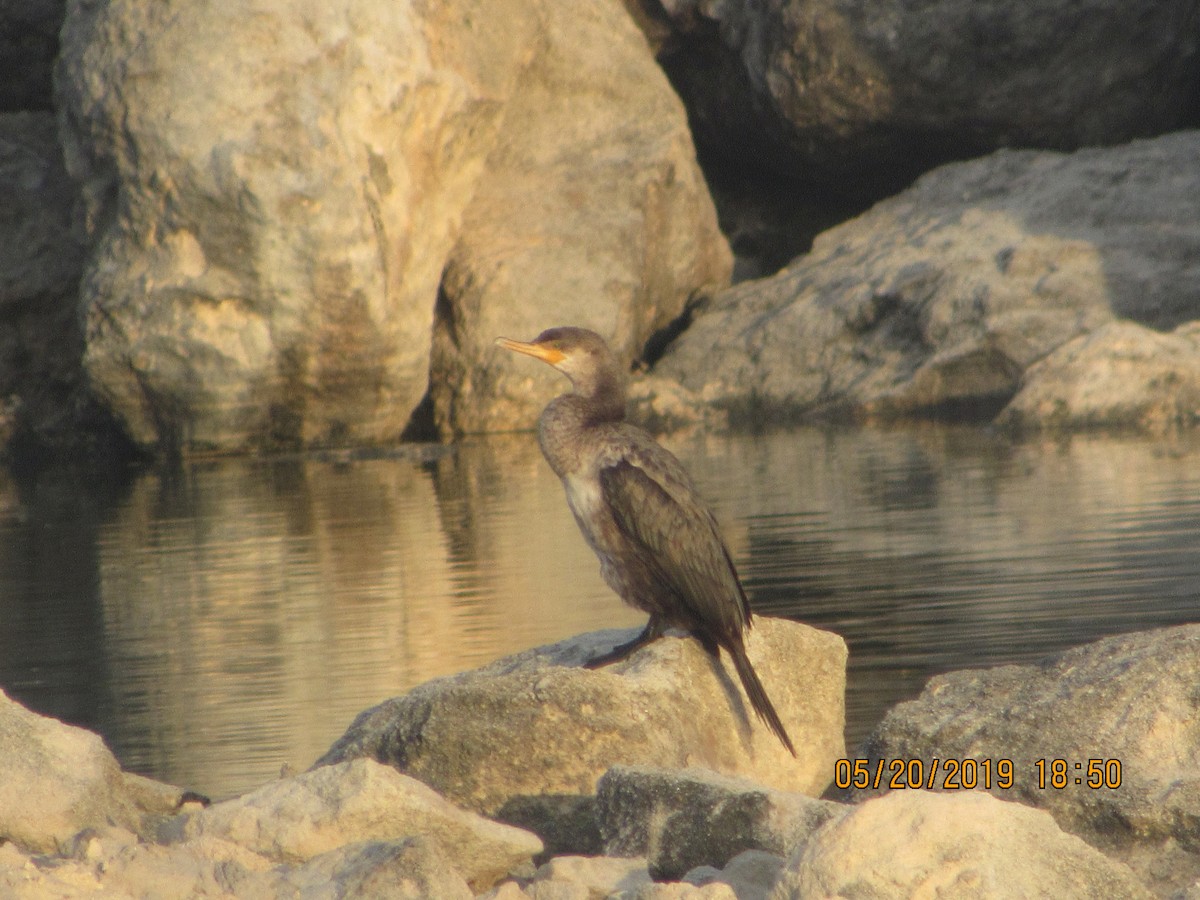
(314, 247)
(534, 778)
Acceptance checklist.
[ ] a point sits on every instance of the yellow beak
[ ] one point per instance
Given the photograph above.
(537, 351)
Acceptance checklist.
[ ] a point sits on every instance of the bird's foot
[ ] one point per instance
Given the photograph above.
(651, 632)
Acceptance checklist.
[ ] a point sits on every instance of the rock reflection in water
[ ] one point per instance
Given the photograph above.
(217, 623)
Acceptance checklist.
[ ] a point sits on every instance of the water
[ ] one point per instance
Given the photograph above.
(221, 621)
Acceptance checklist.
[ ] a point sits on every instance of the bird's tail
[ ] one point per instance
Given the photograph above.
(758, 694)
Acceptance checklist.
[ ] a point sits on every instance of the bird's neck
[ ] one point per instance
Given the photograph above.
(566, 427)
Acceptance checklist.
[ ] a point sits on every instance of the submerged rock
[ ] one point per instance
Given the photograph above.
(920, 843)
(940, 300)
(526, 739)
(1127, 702)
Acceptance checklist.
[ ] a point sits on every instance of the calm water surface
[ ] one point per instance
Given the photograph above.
(218, 622)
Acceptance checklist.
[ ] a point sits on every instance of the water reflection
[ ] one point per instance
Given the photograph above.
(218, 622)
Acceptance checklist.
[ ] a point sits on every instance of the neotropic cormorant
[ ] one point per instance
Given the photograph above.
(659, 545)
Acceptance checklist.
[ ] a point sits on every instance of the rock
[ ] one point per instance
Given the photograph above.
(1127, 702)
(1121, 375)
(676, 890)
(412, 869)
(296, 819)
(830, 89)
(937, 301)
(272, 192)
(269, 230)
(28, 45)
(922, 843)
(688, 818)
(621, 256)
(526, 738)
(598, 876)
(751, 874)
(59, 780)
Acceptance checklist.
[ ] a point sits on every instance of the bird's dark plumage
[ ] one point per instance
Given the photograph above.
(659, 546)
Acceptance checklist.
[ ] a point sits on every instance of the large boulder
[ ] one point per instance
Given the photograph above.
(526, 739)
(591, 211)
(919, 843)
(274, 191)
(940, 299)
(59, 780)
(1128, 703)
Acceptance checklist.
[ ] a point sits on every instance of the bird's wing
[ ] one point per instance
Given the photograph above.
(658, 510)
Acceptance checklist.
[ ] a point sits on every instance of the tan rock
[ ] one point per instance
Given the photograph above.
(296, 819)
(59, 780)
(960, 845)
(1122, 375)
(592, 211)
(273, 189)
(526, 738)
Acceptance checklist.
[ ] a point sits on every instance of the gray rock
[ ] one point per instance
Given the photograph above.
(296, 819)
(59, 780)
(826, 88)
(1120, 376)
(622, 256)
(1127, 702)
(688, 818)
(529, 736)
(964, 845)
(941, 298)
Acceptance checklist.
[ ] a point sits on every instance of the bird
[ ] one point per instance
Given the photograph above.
(659, 545)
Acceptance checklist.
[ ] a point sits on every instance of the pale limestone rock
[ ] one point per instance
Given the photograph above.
(296, 819)
(526, 738)
(412, 869)
(1127, 701)
(1121, 375)
(955, 845)
(272, 190)
(592, 211)
(600, 876)
(275, 191)
(59, 780)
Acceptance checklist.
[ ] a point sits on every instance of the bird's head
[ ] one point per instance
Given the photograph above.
(581, 355)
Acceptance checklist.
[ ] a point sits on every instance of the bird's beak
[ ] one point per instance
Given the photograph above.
(537, 351)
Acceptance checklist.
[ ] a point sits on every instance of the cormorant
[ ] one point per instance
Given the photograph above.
(659, 545)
